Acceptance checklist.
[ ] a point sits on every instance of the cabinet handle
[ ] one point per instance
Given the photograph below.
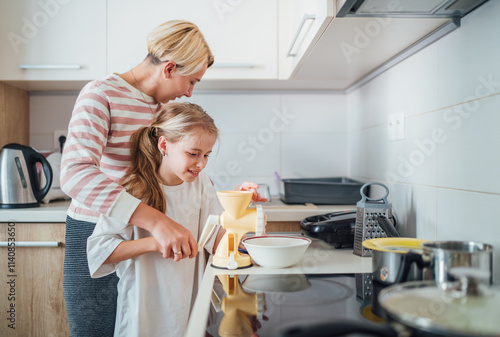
(233, 65)
(31, 243)
(302, 23)
(50, 66)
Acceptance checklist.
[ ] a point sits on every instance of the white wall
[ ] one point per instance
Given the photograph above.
(444, 177)
(49, 112)
(297, 134)
(294, 134)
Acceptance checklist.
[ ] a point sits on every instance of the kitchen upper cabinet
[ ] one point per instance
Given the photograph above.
(52, 40)
(241, 34)
(257, 44)
(301, 24)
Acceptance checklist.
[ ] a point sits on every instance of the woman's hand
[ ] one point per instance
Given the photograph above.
(252, 187)
(175, 241)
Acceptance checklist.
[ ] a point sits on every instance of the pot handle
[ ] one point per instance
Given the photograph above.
(406, 261)
(387, 226)
(343, 328)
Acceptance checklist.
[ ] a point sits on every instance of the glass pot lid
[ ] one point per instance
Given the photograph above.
(462, 308)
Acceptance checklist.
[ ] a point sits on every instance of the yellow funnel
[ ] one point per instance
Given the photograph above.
(235, 203)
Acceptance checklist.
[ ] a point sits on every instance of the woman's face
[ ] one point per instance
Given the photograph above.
(173, 85)
(185, 160)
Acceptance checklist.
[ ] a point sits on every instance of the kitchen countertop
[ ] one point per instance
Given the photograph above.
(320, 258)
(51, 212)
(275, 210)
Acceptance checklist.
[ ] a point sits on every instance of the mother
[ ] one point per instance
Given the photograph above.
(96, 156)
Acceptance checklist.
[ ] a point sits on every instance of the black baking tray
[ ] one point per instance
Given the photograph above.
(322, 191)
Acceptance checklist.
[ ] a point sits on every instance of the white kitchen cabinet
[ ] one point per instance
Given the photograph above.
(257, 44)
(301, 24)
(48, 40)
(241, 34)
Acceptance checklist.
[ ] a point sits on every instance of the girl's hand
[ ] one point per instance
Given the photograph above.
(130, 249)
(175, 241)
(252, 187)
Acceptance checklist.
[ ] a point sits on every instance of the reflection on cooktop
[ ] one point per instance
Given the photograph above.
(266, 305)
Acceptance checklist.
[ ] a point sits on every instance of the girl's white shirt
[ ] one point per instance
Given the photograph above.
(155, 295)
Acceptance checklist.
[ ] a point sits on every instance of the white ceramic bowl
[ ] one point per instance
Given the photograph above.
(273, 251)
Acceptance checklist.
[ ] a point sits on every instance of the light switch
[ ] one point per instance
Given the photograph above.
(391, 128)
(396, 126)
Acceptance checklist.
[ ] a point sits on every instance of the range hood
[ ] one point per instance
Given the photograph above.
(455, 9)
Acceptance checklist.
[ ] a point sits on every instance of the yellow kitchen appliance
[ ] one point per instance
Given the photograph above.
(237, 219)
(237, 306)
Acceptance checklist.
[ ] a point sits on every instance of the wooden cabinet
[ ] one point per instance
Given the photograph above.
(242, 34)
(32, 278)
(52, 40)
(14, 115)
(301, 24)
(282, 226)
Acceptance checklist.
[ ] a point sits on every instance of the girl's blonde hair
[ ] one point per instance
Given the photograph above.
(176, 122)
(181, 42)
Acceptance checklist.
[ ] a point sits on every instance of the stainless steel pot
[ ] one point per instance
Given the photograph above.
(397, 260)
(435, 260)
(390, 262)
(441, 256)
(394, 260)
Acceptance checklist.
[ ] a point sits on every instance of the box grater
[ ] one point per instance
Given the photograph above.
(364, 289)
(366, 223)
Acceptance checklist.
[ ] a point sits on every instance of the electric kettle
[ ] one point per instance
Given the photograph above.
(19, 183)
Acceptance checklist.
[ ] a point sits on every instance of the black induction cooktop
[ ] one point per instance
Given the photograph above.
(267, 305)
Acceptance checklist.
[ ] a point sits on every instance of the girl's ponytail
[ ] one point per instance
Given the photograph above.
(142, 180)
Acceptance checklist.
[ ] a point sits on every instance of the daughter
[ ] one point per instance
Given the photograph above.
(155, 294)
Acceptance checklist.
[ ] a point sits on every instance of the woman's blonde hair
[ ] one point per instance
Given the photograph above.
(181, 42)
(176, 122)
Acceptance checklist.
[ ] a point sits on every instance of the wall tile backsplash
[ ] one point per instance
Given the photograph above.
(261, 133)
(444, 177)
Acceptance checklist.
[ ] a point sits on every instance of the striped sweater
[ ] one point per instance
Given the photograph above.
(96, 154)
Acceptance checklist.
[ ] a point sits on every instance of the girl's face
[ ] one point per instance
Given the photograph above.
(185, 160)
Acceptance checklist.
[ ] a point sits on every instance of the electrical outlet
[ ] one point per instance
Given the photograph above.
(57, 134)
(396, 126)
